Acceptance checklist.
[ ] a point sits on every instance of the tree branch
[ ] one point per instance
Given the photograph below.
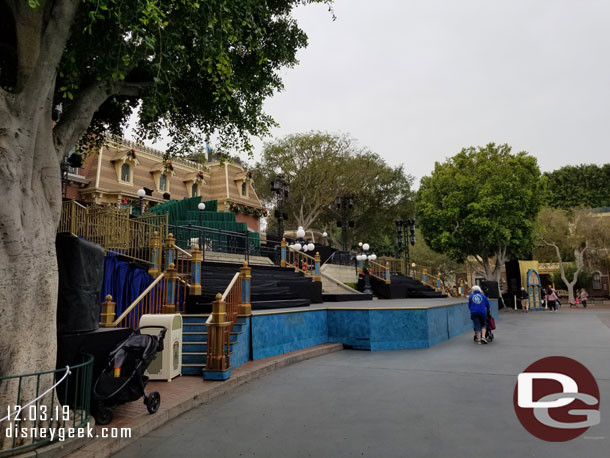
(474, 267)
(131, 89)
(47, 42)
(77, 119)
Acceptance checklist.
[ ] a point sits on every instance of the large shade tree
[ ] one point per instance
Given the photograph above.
(195, 68)
(481, 205)
(322, 167)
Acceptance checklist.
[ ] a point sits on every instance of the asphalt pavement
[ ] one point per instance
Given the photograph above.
(452, 400)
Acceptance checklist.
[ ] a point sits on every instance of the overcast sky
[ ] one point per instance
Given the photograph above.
(416, 81)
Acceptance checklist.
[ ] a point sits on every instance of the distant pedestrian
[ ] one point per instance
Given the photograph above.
(525, 299)
(552, 300)
(583, 297)
(479, 308)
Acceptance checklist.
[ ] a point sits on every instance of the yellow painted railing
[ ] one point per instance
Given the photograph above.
(112, 228)
(397, 265)
(73, 218)
(220, 324)
(226, 308)
(150, 301)
(308, 265)
(382, 272)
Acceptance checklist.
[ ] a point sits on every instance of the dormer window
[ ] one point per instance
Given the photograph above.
(126, 173)
(243, 182)
(193, 183)
(162, 177)
(124, 165)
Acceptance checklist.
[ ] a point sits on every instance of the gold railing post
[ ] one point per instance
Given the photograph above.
(387, 273)
(216, 359)
(155, 255)
(283, 252)
(245, 276)
(108, 312)
(171, 278)
(170, 250)
(196, 258)
(317, 276)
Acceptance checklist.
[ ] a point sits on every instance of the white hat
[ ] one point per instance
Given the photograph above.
(477, 288)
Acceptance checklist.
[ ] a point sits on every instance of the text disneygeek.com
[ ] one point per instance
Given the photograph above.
(63, 433)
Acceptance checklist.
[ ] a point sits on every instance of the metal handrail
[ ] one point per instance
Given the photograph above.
(302, 262)
(226, 293)
(183, 252)
(230, 287)
(378, 270)
(141, 297)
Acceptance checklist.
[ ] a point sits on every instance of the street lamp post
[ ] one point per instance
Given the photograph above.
(301, 244)
(141, 193)
(345, 205)
(201, 207)
(363, 258)
(405, 235)
(281, 188)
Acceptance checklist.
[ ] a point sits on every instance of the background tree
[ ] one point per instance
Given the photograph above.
(578, 186)
(572, 235)
(481, 203)
(196, 68)
(423, 255)
(322, 167)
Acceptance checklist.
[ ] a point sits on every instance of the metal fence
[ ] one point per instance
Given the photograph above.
(342, 258)
(220, 241)
(43, 400)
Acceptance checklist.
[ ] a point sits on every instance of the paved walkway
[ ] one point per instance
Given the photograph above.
(179, 396)
(452, 400)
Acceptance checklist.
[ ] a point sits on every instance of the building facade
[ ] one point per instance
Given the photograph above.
(114, 174)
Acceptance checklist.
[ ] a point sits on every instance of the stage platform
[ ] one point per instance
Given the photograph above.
(391, 324)
(376, 304)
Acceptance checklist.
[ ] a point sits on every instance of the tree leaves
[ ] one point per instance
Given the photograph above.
(206, 68)
(480, 202)
(322, 167)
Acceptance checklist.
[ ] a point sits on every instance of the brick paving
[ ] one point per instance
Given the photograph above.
(183, 394)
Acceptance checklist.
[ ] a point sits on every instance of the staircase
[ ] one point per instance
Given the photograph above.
(195, 343)
(402, 287)
(272, 288)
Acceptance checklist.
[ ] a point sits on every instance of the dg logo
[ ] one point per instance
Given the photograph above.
(557, 399)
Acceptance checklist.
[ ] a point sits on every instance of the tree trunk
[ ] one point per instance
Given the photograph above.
(30, 186)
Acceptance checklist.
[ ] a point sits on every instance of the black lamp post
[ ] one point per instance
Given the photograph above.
(201, 207)
(281, 188)
(345, 206)
(364, 258)
(405, 235)
(141, 193)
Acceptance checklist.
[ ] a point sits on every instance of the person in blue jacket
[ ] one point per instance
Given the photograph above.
(479, 306)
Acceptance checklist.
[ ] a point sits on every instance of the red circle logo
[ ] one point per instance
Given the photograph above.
(557, 399)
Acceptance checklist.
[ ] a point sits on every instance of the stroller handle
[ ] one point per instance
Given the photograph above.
(161, 334)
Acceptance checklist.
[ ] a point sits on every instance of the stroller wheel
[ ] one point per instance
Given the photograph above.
(153, 401)
(103, 415)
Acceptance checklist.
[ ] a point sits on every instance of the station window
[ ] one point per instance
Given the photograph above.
(125, 173)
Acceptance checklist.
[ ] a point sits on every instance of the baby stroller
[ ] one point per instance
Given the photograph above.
(489, 333)
(123, 379)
